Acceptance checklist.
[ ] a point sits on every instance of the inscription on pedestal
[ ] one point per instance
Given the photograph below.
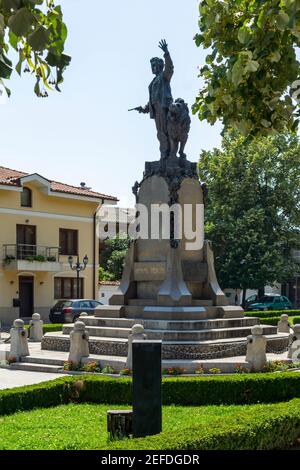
(150, 271)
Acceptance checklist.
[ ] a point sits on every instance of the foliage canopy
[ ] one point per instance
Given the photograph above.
(36, 31)
(251, 65)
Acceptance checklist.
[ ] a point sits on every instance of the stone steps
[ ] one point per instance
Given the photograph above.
(146, 302)
(194, 312)
(171, 313)
(32, 367)
(171, 324)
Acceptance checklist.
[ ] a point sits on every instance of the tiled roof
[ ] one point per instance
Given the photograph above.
(12, 178)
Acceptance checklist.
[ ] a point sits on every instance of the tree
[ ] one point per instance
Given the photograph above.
(112, 258)
(36, 31)
(253, 209)
(251, 65)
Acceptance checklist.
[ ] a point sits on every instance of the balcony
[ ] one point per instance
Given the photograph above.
(31, 258)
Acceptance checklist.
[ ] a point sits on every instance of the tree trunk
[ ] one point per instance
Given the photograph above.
(261, 292)
(244, 297)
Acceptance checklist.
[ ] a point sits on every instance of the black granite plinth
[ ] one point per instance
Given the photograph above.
(147, 399)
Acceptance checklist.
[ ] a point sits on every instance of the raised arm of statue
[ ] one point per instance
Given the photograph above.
(169, 66)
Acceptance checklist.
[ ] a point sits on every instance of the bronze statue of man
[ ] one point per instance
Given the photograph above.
(160, 97)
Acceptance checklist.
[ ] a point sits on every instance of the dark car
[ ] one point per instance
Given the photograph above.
(271, 302)
(68, 311)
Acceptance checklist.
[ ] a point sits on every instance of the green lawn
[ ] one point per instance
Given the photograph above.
(80, 427)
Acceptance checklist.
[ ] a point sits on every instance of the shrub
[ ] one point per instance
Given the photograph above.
(51, 327)
(108, 370)
(214, 370)
(173, 371)
(276, 366)
(70, 366)
(125, 372)
(272, 313)
(274, 320)
(91, 367)
(262, 428)
(43, 395)
(194, 391)
(199, 371)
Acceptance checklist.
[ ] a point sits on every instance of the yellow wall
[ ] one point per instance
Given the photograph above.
(42, 214)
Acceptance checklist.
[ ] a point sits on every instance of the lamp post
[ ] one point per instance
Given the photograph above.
(78, 267)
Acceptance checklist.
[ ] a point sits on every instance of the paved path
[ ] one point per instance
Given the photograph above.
(18, 378)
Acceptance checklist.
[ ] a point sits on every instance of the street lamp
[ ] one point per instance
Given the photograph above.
(78, 267)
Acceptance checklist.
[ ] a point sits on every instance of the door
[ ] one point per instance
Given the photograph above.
(26, 296)
(26, 241)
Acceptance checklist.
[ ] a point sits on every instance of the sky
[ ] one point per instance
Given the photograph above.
(86, 133)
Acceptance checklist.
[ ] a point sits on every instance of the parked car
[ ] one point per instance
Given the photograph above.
(68, 311)
(251, 300)
(254, 298)
(271, 302)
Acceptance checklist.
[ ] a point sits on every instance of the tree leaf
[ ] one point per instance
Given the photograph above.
(20, 23)
(38, 40)
(282, 20)
(237, 73)
(244, 35)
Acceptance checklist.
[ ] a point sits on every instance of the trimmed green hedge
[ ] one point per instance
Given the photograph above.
(261, 428)
(194, 391)
(274, 320)
(50, 327)
(272, 313)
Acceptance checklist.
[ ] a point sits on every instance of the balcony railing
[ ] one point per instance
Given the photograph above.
(30, 253)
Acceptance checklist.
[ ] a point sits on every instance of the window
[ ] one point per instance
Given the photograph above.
(26, 197)
(66, 288)
(68, 241)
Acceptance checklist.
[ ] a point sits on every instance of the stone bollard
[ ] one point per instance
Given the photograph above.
(256, 348)
(294, 344)
(79, 343)
(83, 315)
(283, 325)
(18, 341)
(36, 328)
(137, 334)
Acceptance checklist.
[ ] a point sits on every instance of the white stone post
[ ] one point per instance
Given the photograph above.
(36, 328)
(83, 315)
(256, 348)
(294, 344)
(18, 341)
(137, 333)
(79, 343)
(283, 325)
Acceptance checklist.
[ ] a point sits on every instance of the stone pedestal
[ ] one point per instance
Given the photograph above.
(294, 347)
(18, 341)
(283, 325)
(256, 349)
(79, 343)
(137, 334)
(36, 328)
(170, 268)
